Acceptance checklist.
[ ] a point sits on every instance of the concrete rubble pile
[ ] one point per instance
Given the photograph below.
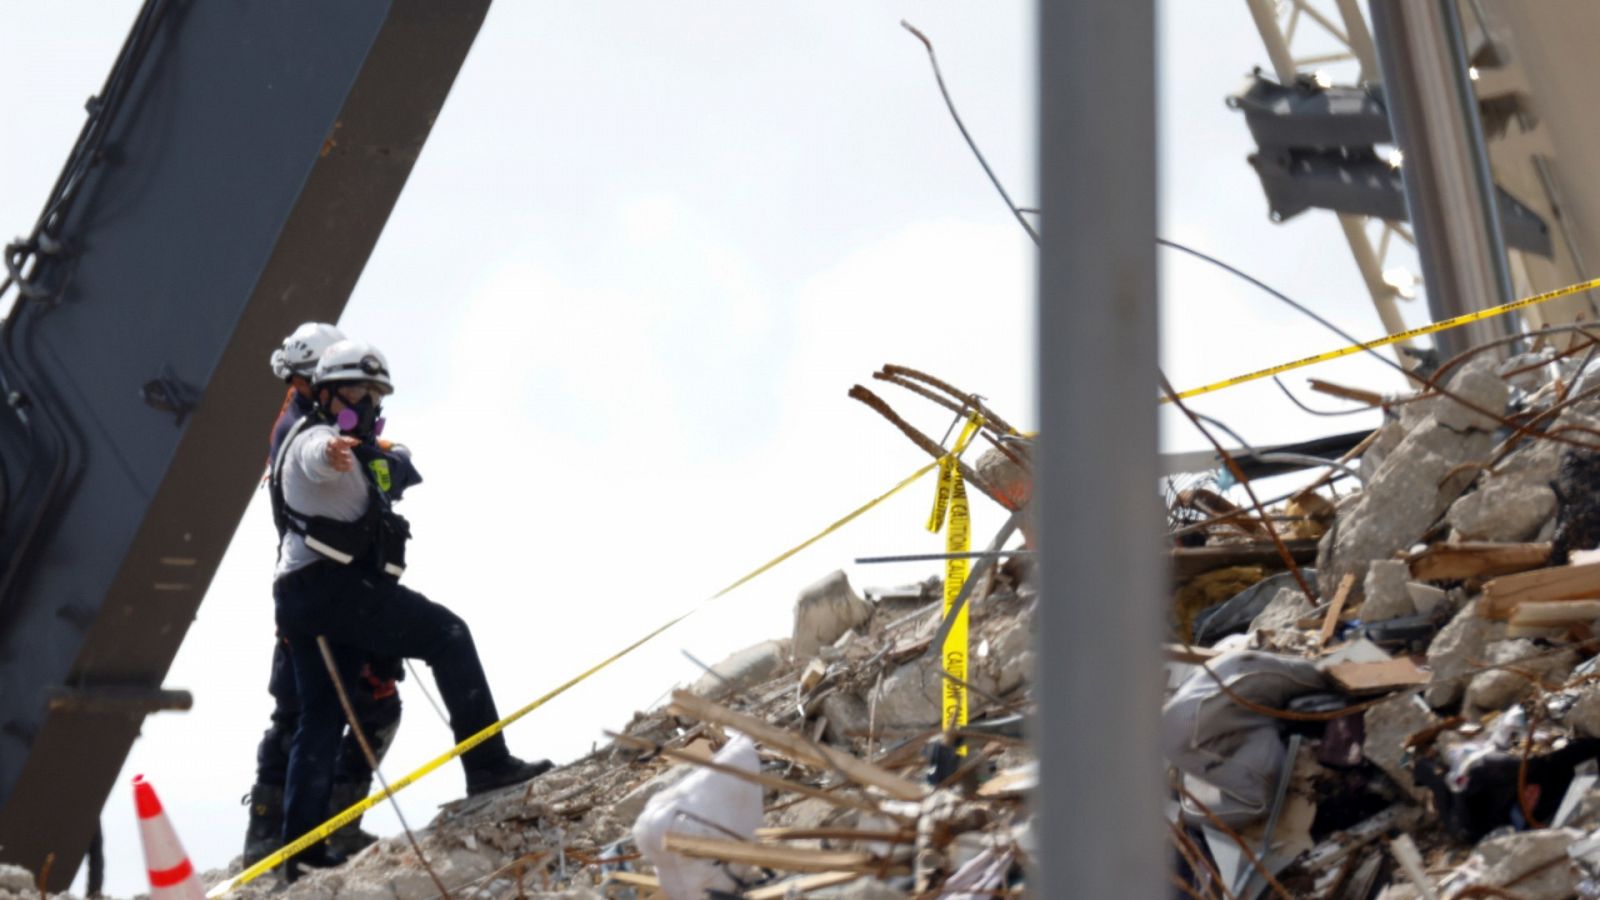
(796, 767)
(814, 766)
(1412, 709)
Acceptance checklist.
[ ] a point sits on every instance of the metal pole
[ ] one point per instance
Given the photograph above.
(1433, 112)
(1099, 679)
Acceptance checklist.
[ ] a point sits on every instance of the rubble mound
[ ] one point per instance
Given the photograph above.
(844, 716)
(1427, 725)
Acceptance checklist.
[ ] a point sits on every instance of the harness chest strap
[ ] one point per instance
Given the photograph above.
(362, 535)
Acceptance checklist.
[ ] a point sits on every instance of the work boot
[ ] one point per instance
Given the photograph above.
(265, 830)
(508, 771)
(349, 840)
(318, 856)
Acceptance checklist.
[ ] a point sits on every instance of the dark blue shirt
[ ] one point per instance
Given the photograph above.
(298, 407)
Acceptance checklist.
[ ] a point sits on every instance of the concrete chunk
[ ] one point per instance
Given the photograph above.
(825, 611)
(1530, 862)
(1387, 726)
(1386, 591)
(748, 667)
(1453, 651)
(1284, 609)
(1499, 688)
(1417, 481)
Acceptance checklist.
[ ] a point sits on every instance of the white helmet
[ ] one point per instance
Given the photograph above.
(301, 350)
(353, 361)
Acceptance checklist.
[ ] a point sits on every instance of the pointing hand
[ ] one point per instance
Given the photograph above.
(339, 455)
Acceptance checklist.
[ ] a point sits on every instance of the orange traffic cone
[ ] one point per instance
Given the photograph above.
(172, 877)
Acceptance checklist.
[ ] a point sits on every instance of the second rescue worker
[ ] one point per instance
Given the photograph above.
(338, 577)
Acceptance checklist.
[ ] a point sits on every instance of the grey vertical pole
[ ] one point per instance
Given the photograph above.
(1450, 193)
(1104, 581)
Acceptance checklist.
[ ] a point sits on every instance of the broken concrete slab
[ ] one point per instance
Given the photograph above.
(1286, 607)
(1454, 651)
(1388, 725)
(1496, 689)
(17, 880)
(1005, 477)
(1476, 383)
(911, 694)
(1584, 715)
(633, 802)
(1389, 436)
(1531, 863)
(1417, 481)
(824, 611)
(1502, 510)
(1387, 594)
(847, 714)
(1426, 598)
(748, 667)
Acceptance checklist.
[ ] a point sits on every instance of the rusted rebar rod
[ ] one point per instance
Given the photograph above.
(1244, 482)
(372, 760)
(928, 445)
(959, 409)
(971, 399)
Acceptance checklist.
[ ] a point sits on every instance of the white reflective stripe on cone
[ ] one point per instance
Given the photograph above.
(172, 876)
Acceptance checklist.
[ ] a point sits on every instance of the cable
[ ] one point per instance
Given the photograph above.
(1319, 412)
(939, 77)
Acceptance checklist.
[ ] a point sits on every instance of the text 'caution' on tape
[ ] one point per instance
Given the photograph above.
(951, 498)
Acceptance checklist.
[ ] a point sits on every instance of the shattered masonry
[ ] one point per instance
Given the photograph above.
(1427, 725)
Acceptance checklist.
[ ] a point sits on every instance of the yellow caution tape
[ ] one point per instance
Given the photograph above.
(1398, 336)
(957, 540)
(947, 465)
(349, 815)
(952, 495)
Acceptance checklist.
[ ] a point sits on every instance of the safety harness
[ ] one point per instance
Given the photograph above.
(376, 540)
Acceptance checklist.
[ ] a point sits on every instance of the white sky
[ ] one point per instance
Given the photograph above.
(645, 253)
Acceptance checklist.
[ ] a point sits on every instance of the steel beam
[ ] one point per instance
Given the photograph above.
(1099, 678)
(249, 166)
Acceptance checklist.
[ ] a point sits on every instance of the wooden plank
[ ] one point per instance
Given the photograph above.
(796, 747)
(1336, 608)
(1011, 783)
(1346, 393)
(879, 835)
(767, 780)
(1451, 562)
(801, 886)
(632, 878)
(1502, 595)
(1191, 655)
(1545, 613)
(772, 856)
(1188, 562)
(1365, 677)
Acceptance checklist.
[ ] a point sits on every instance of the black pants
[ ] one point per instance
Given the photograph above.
(377, 706)
(360, 614)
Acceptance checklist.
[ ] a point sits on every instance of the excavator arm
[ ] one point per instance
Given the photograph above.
(230, 182)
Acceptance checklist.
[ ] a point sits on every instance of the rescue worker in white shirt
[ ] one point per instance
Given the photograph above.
(338, 577)
(375, 696)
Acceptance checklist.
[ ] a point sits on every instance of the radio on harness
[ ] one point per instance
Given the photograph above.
(377, 539)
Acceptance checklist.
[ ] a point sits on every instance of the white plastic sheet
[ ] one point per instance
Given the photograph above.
(707, 804)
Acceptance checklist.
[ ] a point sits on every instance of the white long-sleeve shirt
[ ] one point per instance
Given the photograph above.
(313, 487)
